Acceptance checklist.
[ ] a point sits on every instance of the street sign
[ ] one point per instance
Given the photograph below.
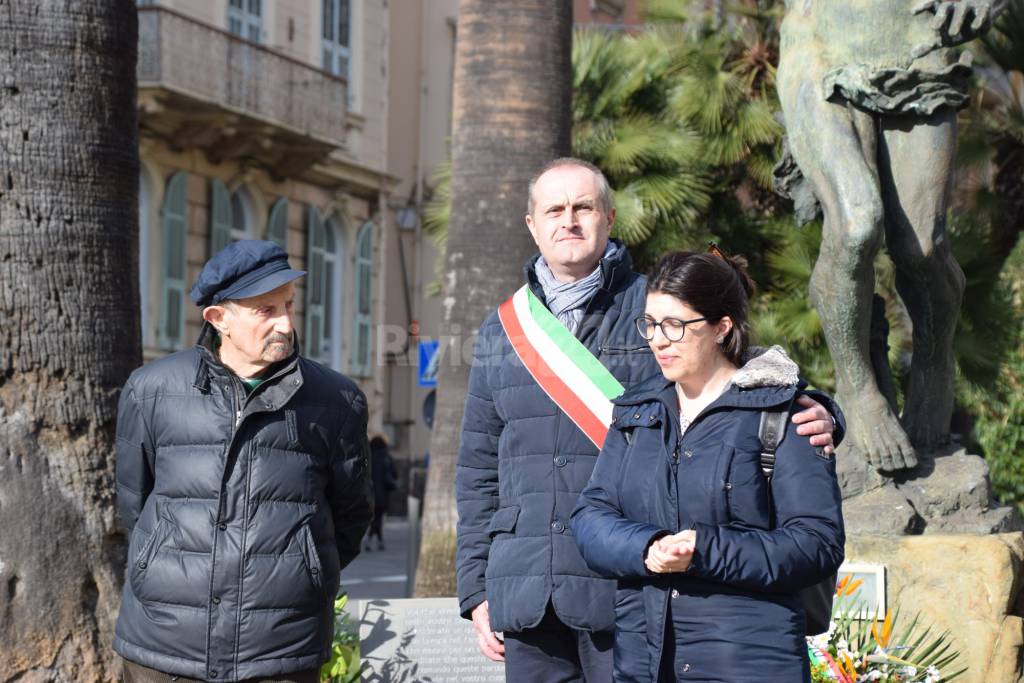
(428, 363)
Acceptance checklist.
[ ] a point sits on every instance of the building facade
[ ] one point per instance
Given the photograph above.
(319, 124)
(265, 119)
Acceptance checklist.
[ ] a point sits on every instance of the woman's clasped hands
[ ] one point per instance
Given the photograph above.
(671, 553)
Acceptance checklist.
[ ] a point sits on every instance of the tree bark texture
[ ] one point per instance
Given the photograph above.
(69, 327)
(512, 114)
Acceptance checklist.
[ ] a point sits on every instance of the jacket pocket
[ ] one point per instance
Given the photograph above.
(150, 546)
(746, 491)
(145, 554)
(503, 521)
(719, 486)
(311, 558)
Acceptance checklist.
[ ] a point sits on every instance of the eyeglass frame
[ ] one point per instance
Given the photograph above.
(644, 320)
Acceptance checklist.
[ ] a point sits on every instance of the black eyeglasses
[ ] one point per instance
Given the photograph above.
(672, 328)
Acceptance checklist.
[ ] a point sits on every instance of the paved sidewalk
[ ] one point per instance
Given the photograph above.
(381, 573)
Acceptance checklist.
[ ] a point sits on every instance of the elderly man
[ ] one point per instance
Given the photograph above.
(242, 479)
(533, 424)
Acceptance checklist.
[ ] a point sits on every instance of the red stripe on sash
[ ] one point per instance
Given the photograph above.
(557, 390)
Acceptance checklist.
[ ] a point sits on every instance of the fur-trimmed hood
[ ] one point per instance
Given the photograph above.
(769, 367)
(767, 379)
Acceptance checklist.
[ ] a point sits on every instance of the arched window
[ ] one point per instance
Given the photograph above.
(334, 300)
(315, 284)
(220, 216)
(362, 351)
(324, 266)
(243, 216)
(232, 215)
(277, 224)
(172, 296)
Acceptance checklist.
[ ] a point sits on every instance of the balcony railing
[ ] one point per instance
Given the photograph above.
(198, 61)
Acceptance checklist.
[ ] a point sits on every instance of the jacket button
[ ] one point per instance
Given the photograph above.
(557, 527)
(314, 571)
(213, 673)
(222, 526)
(216, 601)
(560, 460)
(728, 486)
(686, 667)
(637, 416)
(142, 564)
(675, 593)
(688, 453)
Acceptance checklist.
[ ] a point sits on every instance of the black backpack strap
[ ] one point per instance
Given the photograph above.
(770, 432)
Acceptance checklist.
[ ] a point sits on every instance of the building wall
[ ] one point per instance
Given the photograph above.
(349, 187)
(421, 59)
(295, 30)
(350, 213)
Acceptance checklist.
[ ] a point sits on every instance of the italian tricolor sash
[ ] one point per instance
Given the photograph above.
(563, 367)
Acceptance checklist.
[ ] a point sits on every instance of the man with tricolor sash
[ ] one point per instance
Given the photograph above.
(546, 367)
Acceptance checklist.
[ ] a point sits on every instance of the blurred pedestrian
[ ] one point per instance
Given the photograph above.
(385, 480)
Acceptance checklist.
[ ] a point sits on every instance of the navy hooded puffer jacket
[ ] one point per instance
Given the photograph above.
(522, 464)
(241, 509)
(735, 614)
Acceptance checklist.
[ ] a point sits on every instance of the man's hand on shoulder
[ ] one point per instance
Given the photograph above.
(486, 639)
(816, 422)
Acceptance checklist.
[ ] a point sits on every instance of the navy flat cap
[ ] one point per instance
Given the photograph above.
(243, 269)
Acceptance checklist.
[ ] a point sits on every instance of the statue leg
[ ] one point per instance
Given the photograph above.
(916, 159)
(835, 147)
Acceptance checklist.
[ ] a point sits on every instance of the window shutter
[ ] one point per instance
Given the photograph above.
(362, 352)
(172, 298)
(220, 216)
(277, 225)
(314, 283)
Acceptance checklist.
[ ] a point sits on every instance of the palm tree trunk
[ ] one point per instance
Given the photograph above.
(511, 112)
(69, 327)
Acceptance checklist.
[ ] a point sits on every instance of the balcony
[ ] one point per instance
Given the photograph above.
(202, 87)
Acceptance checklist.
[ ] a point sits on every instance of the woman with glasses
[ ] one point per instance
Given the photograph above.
(710, 552)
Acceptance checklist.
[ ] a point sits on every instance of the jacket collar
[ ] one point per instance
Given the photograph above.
(209, 364)
(768, 378)
(615, 268)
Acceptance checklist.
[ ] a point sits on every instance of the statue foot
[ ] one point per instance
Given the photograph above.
(875, 431)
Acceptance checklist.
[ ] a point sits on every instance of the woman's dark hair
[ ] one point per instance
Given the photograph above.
(714, 287)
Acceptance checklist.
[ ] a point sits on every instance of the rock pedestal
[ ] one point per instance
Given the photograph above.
(947, 493)
(967, 584)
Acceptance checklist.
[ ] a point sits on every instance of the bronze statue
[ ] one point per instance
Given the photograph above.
(870, 90)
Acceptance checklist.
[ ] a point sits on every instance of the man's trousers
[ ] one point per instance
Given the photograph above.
(552, 652)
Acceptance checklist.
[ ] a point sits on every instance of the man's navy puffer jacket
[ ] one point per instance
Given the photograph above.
(522, 464)
(242, 511)
(757, 545)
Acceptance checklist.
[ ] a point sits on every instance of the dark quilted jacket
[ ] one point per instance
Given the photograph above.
(242, 511)
(757, 545)
(522, 464)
